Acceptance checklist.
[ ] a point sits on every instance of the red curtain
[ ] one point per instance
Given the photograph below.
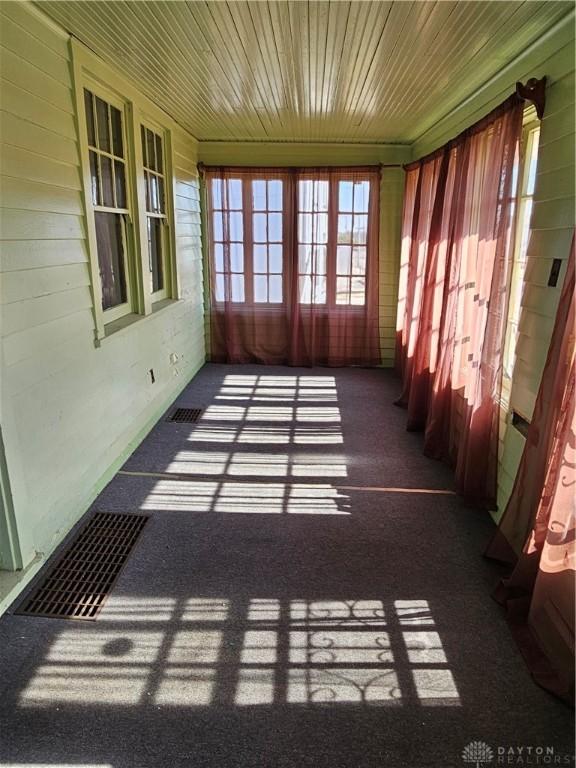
(538, 529)
(455, 272)
(293, 262)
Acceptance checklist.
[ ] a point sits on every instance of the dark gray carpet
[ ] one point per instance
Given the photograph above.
(287, 605)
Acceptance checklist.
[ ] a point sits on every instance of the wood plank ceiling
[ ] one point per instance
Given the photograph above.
(307, 71)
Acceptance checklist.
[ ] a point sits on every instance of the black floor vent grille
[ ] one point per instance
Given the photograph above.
(186, 415)
(81, 579)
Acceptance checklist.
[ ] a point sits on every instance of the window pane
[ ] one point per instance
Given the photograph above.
(260, 288)
(237, 287)
(305, 227)
(275, 258)
(236, 226)
(319, 290)
(102, 120)
(259, 227)
(361, 196)
(320, 195)
(275, 289)
(236, 257)
(90, 118)
(218, 229)
(120, 184)
(151, 150)
(342, 290)
(345, 196)
(148, 191)
(274, 195)
(275, 227)
(305, 289)
(533, 162)
(321, 228)
(259, 195)
(320, 259)
(154, 198)
(219, 257)
(235, 194)
(155, 254)
(360, 226)
(111, 258)
(159, 155)
(161, 198)
(358, 286)
(107, 184)
(343, 259)
(358, 261)
(305, 189)
(344, 229)
(305, 259)
(260, 259)
(94, 174)
(144, 153)
(216, 186)
(116, 120)
(219, 287)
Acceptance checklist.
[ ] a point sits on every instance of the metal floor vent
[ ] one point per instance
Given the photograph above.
(82, 577)
(186, 415)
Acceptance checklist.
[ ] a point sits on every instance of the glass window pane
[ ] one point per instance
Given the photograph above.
(321, 228)
(342, 290)
(361, 196)
(305, 289)
(358, 260)
(235, 194)
(159, 154)
(94, 175)
(151, 150)
(275, 259)
(358, 287)
(116, 121)
(320, 259)
(120, 184)
(219, 257)
(236, 226)
(533, 162)
(154, 197)
(260, 289)
(360, 227)
(345, 196)
(259, 195)
(219, 287)
(320, 195)
(90, 118)
(259, 227)
(216, 188)
(236, 257)
(161, 198)
(218, 229)
(107, 184)
(275, 289)
(319, 290)
(305, 259)
(237, 287)
(343, 259)
(148, 191)
(111, 258)
(305, 190)
(144, 153)
(274, 195)
(155, 254)
(102, 120)
(275, 227)
(304, 227)
(260, 259)
(344, 229)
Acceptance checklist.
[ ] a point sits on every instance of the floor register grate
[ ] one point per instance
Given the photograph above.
(81, 579)
(186, 415)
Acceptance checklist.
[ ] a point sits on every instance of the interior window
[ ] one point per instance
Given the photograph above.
(527, 180)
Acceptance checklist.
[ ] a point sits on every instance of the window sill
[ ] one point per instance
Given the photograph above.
(126, 322)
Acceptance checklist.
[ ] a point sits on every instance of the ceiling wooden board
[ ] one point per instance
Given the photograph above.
(307, 71)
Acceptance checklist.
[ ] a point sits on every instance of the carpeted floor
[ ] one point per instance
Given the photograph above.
(307, 592)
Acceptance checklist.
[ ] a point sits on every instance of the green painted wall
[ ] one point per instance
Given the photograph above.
(552, 220)
(71, 412)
